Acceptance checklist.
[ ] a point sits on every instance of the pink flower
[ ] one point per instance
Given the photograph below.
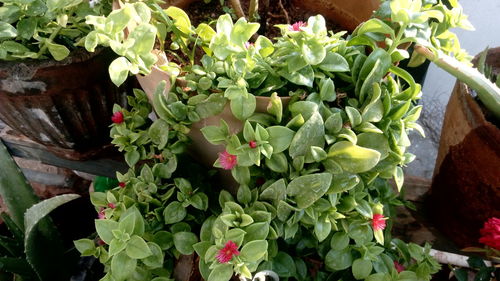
(378, 222)
(122, 184)
(101, 215)
(296, 26)
(111, 205)
(252, 144)
(117, 117)
(399, 267)
(248, 45)
(226, 254)
(227, 161)
(490, 233)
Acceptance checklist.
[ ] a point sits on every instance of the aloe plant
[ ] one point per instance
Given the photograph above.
(34, 251)
(488, 92)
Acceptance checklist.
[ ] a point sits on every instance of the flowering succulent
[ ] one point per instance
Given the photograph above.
(490, 233)
(311, 163)
(226, 254)
(297, 26)
(227, 161)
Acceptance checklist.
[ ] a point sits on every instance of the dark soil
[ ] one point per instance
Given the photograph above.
(278, 12)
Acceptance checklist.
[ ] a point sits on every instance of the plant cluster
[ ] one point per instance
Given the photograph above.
(41, 29)
(311, 162)
(148, 220)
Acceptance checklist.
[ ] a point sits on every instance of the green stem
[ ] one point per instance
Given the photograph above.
(50, 39)
(237, 8)
(179, 34)
(488, 93)
(253, 10)
(397, 40)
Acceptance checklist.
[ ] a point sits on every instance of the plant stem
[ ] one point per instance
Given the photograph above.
(453, 259)
(263, 16)
(50, 39)
(253, 10)
(284, 12)
(237, 8)
(488, 93)
(397, 40)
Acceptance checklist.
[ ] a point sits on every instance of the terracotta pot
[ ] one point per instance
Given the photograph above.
(465, 190)
(150, 82)
(206, 152)
(347, 13)
(65, 105)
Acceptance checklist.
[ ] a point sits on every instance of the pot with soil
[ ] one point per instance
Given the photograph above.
(64, 105)
(466, 184)
(339, 16)
(53, 91)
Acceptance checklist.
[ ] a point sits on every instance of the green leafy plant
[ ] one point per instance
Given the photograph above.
(322, 123)
(34, 250)
(40, 29)
(148, 220)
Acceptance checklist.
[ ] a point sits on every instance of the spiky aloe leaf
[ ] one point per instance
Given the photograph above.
(16, 232)
(10, 247)
(42, 242)
(17, 266)
(15, 190)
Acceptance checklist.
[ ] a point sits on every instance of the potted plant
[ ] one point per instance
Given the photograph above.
(311, 175)
(33, 248)
(468, 160)
(53, 91)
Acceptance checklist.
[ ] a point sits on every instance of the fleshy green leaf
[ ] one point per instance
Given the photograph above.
(353, 158)
(309, 188)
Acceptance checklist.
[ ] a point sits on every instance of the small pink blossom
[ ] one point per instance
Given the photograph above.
(117, 117)
(378, 222)
(226, 254)
(399, 267)
(248, 45)
(227, 160)
(490, 233)
(296, 26)
(122, 184)
(111, 205)
(101, 215)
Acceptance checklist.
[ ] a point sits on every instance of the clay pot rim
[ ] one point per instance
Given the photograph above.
(76, 56)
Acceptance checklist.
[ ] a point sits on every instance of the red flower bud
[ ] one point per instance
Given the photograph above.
(260, 181)
(122, 184)
(111, 205)
(117, 117)
(252, 144)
